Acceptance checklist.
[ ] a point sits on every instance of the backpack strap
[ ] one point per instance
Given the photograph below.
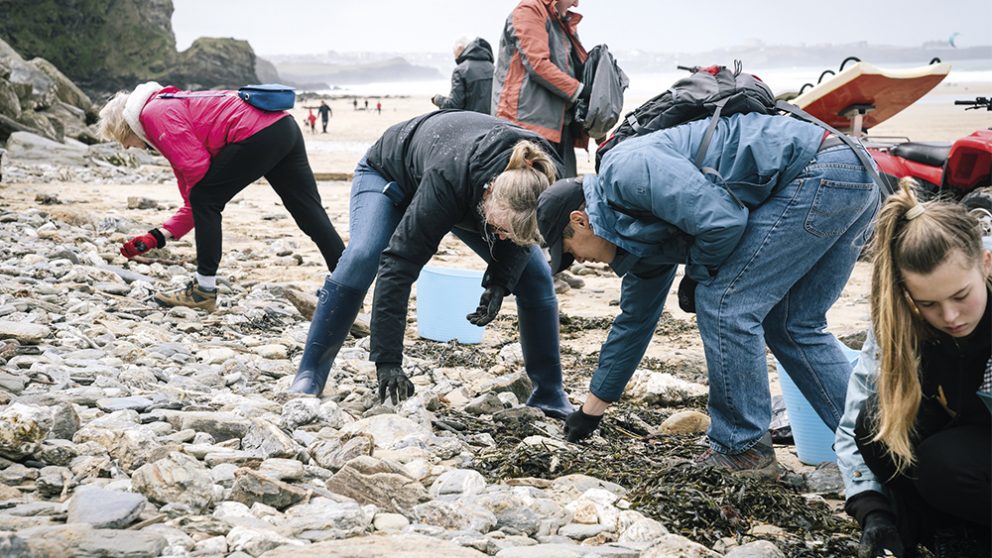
(708, 136)
(187, 96)
(860, 153)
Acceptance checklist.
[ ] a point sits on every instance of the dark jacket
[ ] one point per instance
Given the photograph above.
(472, 79)
(951, 371)
(442, 163)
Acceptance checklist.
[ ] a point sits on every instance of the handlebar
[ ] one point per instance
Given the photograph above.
(978, 103)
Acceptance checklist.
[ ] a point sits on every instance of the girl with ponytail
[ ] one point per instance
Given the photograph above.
(443, 172)
(915, 444)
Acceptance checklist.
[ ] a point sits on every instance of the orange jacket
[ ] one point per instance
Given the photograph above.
(535, 79)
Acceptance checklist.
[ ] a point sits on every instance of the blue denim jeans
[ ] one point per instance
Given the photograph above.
(791, 264)
(373, 219)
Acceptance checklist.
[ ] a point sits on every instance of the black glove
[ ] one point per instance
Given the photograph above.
(879, 534)
(392, 379)
(489, 305)
(687, 294)
(579, 425)
(586, 92)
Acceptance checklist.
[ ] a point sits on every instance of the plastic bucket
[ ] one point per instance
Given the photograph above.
(444, 297)
(814, 441)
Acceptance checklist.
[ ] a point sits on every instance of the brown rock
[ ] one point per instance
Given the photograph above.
(251, 486)
(372, 481)
(685, 422)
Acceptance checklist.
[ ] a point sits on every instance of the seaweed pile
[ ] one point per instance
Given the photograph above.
(703, 504)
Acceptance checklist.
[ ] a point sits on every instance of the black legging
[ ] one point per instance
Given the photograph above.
(948, 486)
(279, 154)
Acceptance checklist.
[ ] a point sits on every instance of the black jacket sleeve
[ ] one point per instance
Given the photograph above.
(432, 213)
(509, 261)
(456, 98)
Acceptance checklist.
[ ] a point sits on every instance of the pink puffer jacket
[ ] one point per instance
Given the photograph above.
(190, 131)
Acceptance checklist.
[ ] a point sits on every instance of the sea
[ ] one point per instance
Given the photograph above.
(646, 85)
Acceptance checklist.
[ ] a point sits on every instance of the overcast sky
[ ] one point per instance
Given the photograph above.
(317, 26)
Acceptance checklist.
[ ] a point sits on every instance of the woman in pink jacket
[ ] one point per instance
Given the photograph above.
(217, 145)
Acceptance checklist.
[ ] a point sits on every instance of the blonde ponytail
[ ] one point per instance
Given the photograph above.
(512, 199)
(916, 237)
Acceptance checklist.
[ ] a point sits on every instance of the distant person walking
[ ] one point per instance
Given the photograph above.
(325, 115)
(366, 104)
(355, 102)
(378, 107)
(536, 79)
(217, 146)
(472, 78)
(312, 121)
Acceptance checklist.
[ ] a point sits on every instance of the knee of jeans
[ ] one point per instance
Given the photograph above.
(357, 267)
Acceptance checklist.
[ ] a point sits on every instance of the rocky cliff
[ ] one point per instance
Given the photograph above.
(107, 45)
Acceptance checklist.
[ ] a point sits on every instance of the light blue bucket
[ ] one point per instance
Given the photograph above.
(814, 441)
(444, 297)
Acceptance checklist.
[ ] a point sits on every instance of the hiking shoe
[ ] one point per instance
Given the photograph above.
(192, 296)
(759, 461)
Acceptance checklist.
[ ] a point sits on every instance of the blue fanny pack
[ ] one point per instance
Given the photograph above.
(271, 97)
(268, 96)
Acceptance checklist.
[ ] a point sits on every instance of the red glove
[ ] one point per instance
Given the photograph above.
(141, 244)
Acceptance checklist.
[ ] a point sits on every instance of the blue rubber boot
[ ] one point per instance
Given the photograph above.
(542, 359)
(337, 308)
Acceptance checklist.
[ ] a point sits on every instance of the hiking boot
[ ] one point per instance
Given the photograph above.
(192, 296)
(759, 461)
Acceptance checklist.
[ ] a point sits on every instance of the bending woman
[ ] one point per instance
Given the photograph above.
(217, 145)
(434, 174)
(915, 444)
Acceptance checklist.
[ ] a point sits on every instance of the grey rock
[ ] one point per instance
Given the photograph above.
(52, 480)
(178, 479)
(485, 404)
(22, 428)
(222, 426)
(17, 474)
(27, 147)
(826, 479)
(757, 549)
(460, 515)
(13, 546)
(391, 546)
(323, 519)
(82, 540)
(251, 487)
(676, 546)
(458, 482)
(111, 404)
(387, 429)
(105, 509)
(12, 383)
(333, 455)
(255, 542)
(65, 422)
(24, 332)
(517, 383)
(137, 202)
(264, 439)
(282, 469)
(372, 481)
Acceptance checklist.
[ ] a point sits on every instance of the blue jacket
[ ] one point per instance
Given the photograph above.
(660, 210)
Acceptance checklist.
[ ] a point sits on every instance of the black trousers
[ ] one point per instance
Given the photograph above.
(950, 484)
(279, 154)
(566, 150)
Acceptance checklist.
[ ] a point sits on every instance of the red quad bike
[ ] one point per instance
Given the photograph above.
(961, 170)
(861, 96)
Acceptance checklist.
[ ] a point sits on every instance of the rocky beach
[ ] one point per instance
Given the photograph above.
(128, 430)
